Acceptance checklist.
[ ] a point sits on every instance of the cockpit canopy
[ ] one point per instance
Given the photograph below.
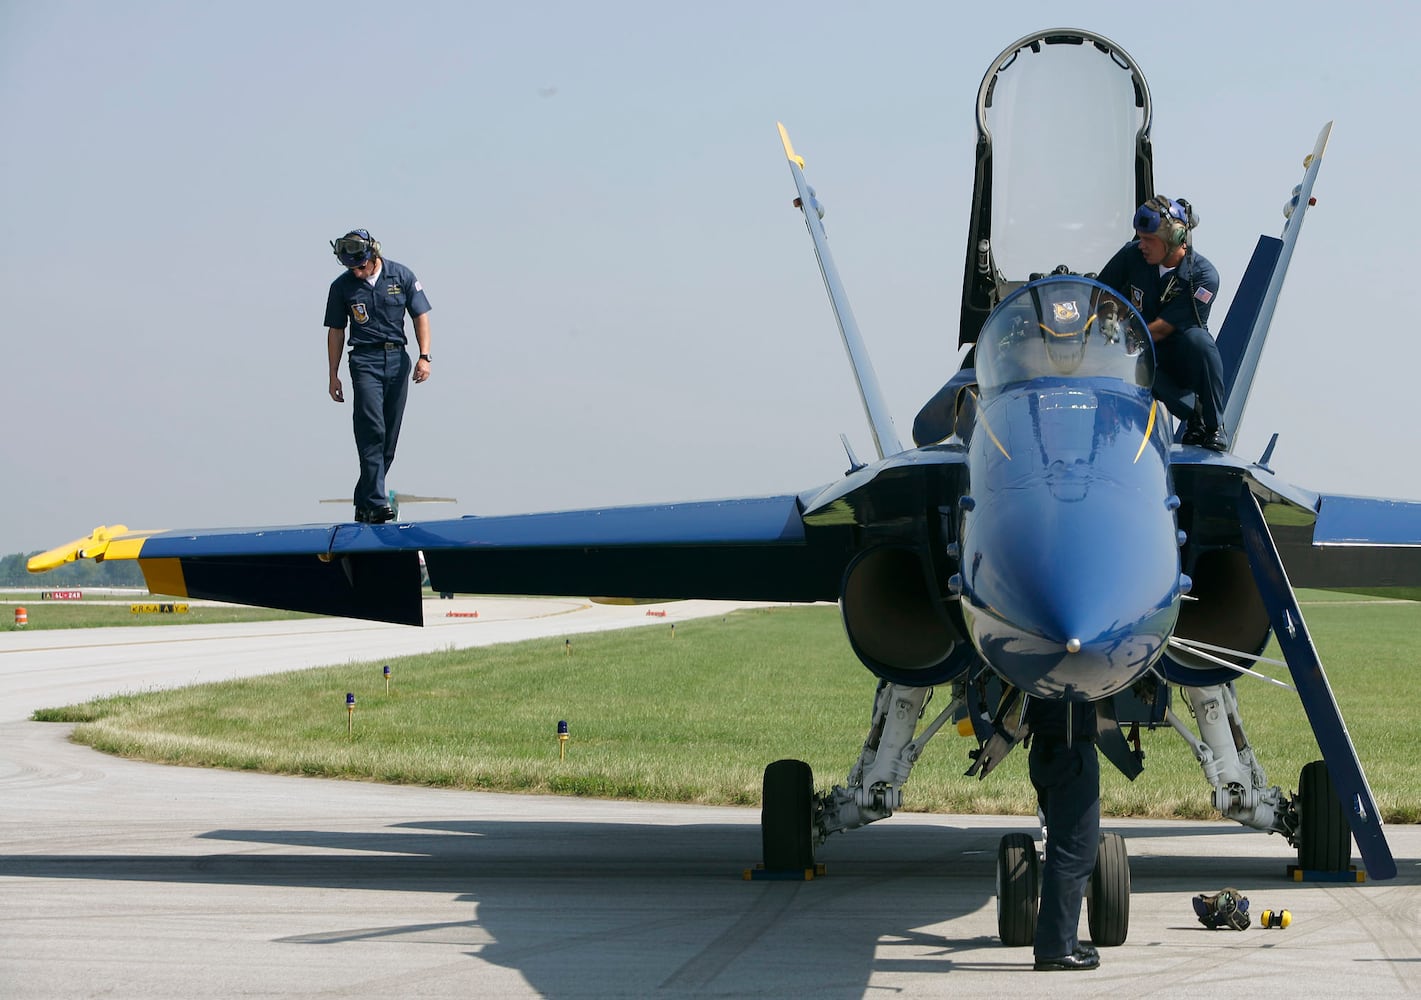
(1063, 159)
(1064, 327)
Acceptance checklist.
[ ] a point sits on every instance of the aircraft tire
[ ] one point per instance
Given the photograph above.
(787, 816)
(1324, 839)
(1018, 889)
(1108, 894)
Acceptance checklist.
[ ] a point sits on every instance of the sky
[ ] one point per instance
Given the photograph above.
(626, 306)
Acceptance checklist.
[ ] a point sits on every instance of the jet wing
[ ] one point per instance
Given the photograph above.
(751, 549)
(1363, 545)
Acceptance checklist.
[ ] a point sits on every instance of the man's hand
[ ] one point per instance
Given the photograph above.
(337, 393)
(421, 371)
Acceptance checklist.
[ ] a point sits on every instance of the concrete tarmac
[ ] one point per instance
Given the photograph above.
(125, 879)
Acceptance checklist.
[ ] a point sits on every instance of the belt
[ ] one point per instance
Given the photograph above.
(388, 345)
(1060, 739)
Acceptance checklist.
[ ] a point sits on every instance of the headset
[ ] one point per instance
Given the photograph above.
(1176, 217)
(356, 247)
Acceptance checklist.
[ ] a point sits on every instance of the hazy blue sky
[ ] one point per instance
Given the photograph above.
(626, 307)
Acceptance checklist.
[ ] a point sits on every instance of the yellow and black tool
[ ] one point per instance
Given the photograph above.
(1275, 919)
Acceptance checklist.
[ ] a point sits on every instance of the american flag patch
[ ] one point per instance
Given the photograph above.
(1204, 295)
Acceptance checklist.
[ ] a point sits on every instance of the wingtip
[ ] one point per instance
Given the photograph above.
(92, 545)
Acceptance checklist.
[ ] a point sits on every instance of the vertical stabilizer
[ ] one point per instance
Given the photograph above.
(1241, 341)
(885, 437)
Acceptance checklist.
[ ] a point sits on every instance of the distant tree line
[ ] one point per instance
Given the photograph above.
(78, 574)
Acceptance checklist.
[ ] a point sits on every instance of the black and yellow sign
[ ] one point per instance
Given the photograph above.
(163, 609)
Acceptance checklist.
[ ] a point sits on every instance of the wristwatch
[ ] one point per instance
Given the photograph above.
(424, 357)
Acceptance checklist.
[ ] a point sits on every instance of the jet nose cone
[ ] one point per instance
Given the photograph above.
(1067, 600)
(1075, 668)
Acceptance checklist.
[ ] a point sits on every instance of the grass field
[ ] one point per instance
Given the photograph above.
(697, 716)
(98, 613)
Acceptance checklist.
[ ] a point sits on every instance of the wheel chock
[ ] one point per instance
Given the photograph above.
(1352, 874)
(759, 874)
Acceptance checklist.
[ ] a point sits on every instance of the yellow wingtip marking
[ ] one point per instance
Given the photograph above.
(95, 544)
(103, 542)
(789, 147)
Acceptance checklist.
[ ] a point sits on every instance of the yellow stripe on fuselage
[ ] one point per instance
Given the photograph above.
(1149, 427)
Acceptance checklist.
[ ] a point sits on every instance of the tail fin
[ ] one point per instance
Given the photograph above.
(885, 437)
(1246, 327)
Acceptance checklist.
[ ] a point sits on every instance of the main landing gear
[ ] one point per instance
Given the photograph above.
(787, 816)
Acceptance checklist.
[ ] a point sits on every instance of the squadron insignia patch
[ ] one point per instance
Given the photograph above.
(1066, 312)
(357, 310)
(1137, 297)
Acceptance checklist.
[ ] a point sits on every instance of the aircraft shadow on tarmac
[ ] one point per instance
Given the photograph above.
(656, 907)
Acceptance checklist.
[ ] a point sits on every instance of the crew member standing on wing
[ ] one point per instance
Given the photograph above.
(1173, 286)
(373, 296)
(1065, 772)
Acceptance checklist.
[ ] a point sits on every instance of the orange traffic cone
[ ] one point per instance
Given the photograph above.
(22, 617)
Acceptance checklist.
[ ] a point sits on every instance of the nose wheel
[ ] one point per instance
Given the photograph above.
(1018, 889)
(1108, 893)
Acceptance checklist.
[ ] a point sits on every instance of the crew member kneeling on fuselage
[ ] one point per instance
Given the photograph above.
(1173, 287)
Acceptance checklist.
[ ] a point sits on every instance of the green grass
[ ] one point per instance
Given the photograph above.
(695, 718)
(89, 613)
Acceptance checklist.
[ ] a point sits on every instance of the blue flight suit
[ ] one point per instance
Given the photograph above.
(1189, 375)
(1067, 782)
(379, 365)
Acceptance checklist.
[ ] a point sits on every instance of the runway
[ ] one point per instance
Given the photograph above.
(125, 879)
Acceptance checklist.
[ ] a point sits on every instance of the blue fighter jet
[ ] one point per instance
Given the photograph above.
(1047, 538)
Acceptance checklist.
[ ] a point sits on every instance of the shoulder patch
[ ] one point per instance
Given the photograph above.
(1204, 295)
